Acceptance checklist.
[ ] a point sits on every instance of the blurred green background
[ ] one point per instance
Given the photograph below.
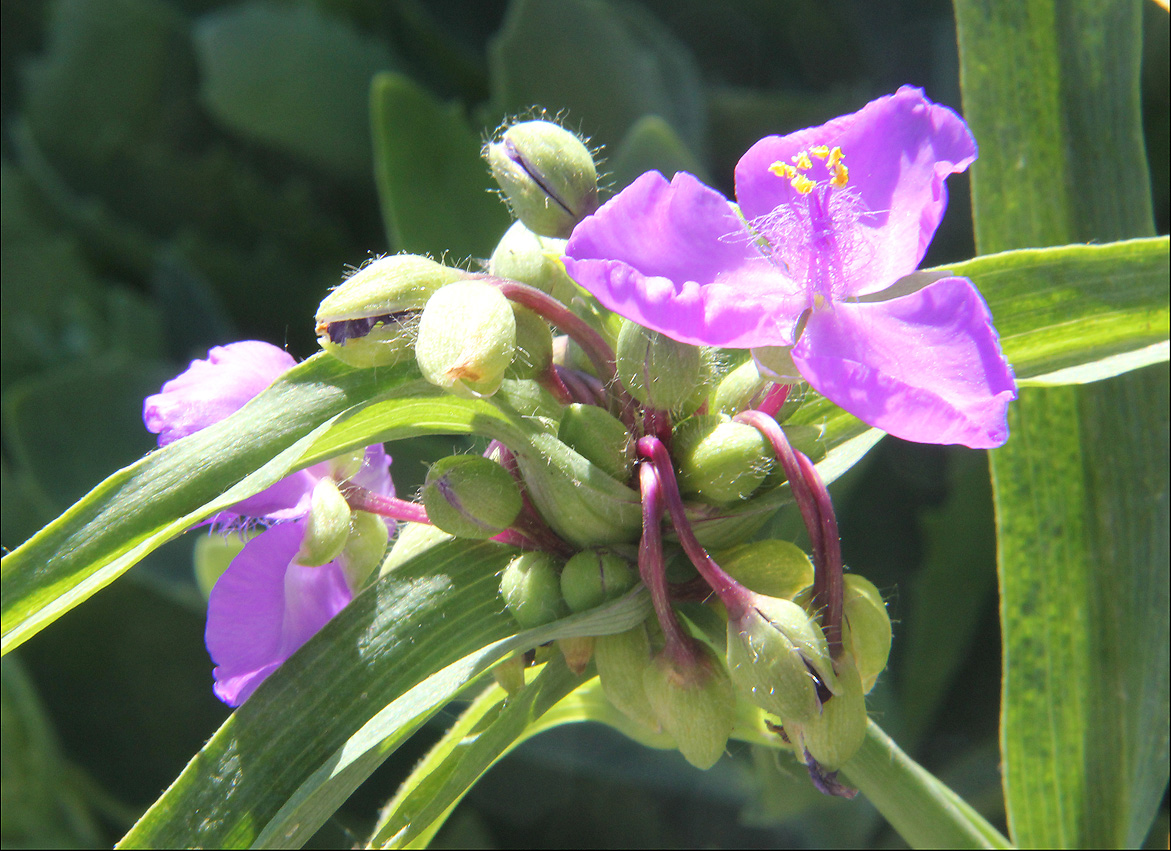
(178, 175)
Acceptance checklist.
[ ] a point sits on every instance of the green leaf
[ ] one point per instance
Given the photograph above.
(606, 65)
(434, 188)
(1052, 93)
(291, 77)
(651, 144)
(314, 730)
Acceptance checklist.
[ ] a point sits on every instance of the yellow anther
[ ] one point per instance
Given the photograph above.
(802, 161)
(802, 184)
(841, 176)
(781, 169)
(820, 151)
(835, 157)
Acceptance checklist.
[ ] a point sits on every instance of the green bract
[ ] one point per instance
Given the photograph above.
(370, 319)
(470, 496)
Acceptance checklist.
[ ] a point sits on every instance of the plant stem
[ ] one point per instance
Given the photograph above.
(653, 570)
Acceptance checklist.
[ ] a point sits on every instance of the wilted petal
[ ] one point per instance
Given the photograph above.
(210, 390)
(899, 149)
(676, 258)
(264, 607)
(925, 367)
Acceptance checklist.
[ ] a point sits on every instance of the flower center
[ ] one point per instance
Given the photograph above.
(838, 175)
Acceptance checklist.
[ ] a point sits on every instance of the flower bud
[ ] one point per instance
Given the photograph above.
(577, 652)
(592, 577)
(738, 389)
(523, 256)
(327, 528)
(470, 497)
(213, 553)
(547, 175)
(695, 703)
(532, 590)
(657, 370)
(364, 549)
(467, 337)
(370, 319)
(622, 660)
(836, 734)
(719, 460)
(770, 568)
(598, 437)
(774, 652)
(509, 673)
(866, 628)
(534, 345)
(776, 364)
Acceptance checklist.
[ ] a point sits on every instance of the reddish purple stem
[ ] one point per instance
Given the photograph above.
(774, 399)
(653, 569)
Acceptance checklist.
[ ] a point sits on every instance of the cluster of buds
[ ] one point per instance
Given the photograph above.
(683, 431)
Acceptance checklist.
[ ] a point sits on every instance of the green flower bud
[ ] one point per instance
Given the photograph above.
(327, 528)
(592, 577)
(370, 319)
(470, 496)
(719, 460)
(737, 390)
(771, 568)
(547, 175)
(577, 652)
(776, 364)
(695, 704)
(598, 437)
(213, 553)
(657, 370)
(534, 345)
(523, 256)
(866, 628)
(772, 649)
(467, 337)
(529, 400)
(836, 734)
(365, 547)
(622, 660)
(509, 673)
(532, 590)
(346, 466)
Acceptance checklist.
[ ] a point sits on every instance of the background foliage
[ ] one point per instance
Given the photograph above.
(177, 175)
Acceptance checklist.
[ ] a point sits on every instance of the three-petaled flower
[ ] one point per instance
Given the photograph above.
(266, 604)
(827, 219)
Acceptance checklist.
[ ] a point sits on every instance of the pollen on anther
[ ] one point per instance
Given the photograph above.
(835, 157)
(781, 169)
(820, 151)
(802, 184)
(841, 176)
(802, 161)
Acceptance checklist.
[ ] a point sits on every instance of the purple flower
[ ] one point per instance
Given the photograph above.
(265, 605)
(827, 219)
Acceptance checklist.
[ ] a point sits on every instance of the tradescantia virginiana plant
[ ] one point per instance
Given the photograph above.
(660, 428)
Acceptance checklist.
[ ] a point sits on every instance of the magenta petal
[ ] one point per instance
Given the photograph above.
(264, 607)
(925, 367)
(899, 149)
(210, 390)
(676, 258)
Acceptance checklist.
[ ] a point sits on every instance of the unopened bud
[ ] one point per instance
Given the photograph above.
(522, 255)
(598, 437)
(657, 370)
(509, 673)
(719, 460)
(592, 577)
(622, 660)
(547, 175)
(775, 652)
(865, 628)
(695, 703)
(327, 528)
(532, 590)
(365, 548)
(534, 345)
(371, 318)
(470, 496)
(738, 389)
(836, 734)
(467, 338)
(577, 652)
(770, 567)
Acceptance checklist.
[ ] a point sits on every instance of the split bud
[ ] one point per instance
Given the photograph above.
(471, 497)
(467, 338)
(694, 702)
(659, 371)
(547, 174)
(370, 319)
(593, 577)
(532, 590)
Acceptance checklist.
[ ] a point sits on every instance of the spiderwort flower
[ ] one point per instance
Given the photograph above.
(827, 219)
(266, 604)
